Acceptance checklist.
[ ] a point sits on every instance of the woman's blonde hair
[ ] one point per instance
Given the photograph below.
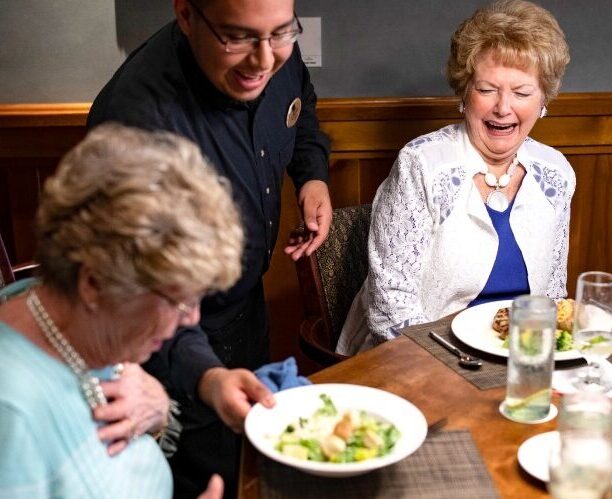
(143, 211)
(518, 34)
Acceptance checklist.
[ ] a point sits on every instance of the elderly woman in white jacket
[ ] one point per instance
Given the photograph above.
(478, 211)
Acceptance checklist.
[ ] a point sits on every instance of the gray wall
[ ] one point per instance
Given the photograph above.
(65, 50)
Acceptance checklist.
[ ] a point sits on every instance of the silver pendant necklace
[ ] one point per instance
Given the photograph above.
(496, 199)
(90, 385)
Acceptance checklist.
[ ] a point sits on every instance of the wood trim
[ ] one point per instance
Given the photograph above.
(43, 115)
(577, 123)
(329, 109)
(360, 109)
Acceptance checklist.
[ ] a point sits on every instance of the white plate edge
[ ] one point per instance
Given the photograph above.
(525, 447)
(500, 352)
(406, 449)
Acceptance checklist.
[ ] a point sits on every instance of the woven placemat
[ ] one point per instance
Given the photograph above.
(447, 465)
(493, 371)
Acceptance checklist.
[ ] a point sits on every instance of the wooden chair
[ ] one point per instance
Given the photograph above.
(9, 273)
(329, 280)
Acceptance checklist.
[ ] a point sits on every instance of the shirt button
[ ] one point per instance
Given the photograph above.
(267, 190)
(270, 222)
(262, 153)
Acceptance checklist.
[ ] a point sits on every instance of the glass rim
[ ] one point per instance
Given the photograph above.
(583, 277)
(533, 303)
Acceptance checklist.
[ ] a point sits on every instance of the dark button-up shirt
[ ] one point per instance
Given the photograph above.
(160, 86)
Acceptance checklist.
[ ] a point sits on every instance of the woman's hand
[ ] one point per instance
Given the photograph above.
(137, 404)
(231, 392)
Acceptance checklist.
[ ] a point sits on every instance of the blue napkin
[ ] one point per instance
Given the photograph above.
(281, 375)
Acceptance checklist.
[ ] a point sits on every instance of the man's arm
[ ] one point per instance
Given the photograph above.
(309, 169)
(231, 392)
(190, 369)
(182, 361)
(312, 147)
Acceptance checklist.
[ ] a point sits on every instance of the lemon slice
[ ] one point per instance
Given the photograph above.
(543, 394)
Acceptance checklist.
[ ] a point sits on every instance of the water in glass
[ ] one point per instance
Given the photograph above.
(581, 460)
(530, 361)
(592, 333)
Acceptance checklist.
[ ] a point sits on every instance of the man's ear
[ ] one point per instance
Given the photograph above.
(184, 16)
(88, 289)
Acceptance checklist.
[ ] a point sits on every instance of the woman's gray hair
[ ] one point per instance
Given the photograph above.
(143, 211)
(519, 34)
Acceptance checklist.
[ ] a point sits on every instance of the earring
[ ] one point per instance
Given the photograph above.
(461, 107)
(543, 112)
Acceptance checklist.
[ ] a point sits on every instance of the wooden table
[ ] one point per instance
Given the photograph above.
(404, 368)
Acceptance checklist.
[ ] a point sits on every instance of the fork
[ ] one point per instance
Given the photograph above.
(436, 426)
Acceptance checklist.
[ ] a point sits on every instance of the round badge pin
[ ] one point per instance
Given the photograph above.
(294, 112)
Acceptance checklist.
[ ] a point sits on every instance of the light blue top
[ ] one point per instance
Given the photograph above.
(48, 442)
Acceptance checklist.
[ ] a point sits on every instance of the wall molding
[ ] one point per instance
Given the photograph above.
(576, 123)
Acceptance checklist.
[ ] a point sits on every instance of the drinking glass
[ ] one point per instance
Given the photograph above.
(593, 328)
(580, 463)
(530, 359)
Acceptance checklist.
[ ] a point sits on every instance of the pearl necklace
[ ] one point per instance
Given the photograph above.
(496, 199)
(90, 385)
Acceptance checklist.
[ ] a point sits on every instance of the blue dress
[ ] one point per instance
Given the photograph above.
(48, 442)
(508, 278)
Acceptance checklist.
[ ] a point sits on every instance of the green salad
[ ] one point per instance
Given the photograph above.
(563, 338)
(328, 436)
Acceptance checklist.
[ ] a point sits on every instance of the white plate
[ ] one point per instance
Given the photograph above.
(473, 327)
(264, 426)
(534, 454)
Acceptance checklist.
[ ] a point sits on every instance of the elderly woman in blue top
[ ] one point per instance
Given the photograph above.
(478, 211)
(132, 230)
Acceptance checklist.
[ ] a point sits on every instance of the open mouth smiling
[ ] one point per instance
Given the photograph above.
(500, 127)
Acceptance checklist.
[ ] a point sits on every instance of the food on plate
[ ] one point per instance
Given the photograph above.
(328, 436)
(565, 314)
(564, 339)
(501, 322)
(565, 323)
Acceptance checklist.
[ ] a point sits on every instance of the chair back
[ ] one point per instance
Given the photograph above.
(6, 271)
(330, 278)
(10, 273)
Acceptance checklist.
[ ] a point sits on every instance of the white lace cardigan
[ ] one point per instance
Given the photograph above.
(432, 244)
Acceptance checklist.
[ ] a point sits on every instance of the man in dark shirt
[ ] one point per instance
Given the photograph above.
(228, 75)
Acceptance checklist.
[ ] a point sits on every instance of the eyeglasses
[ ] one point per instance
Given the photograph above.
(185, 309)
(246, 44)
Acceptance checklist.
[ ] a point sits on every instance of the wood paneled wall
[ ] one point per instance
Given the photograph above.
(366, 136)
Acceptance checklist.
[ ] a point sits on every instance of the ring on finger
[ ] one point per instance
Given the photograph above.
(118, 370)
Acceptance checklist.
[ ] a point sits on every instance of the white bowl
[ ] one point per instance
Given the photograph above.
(264, 426)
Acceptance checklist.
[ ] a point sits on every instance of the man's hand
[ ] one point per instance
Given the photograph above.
(137, 404)
(231, 392)
(214, 489)
(316, 208)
